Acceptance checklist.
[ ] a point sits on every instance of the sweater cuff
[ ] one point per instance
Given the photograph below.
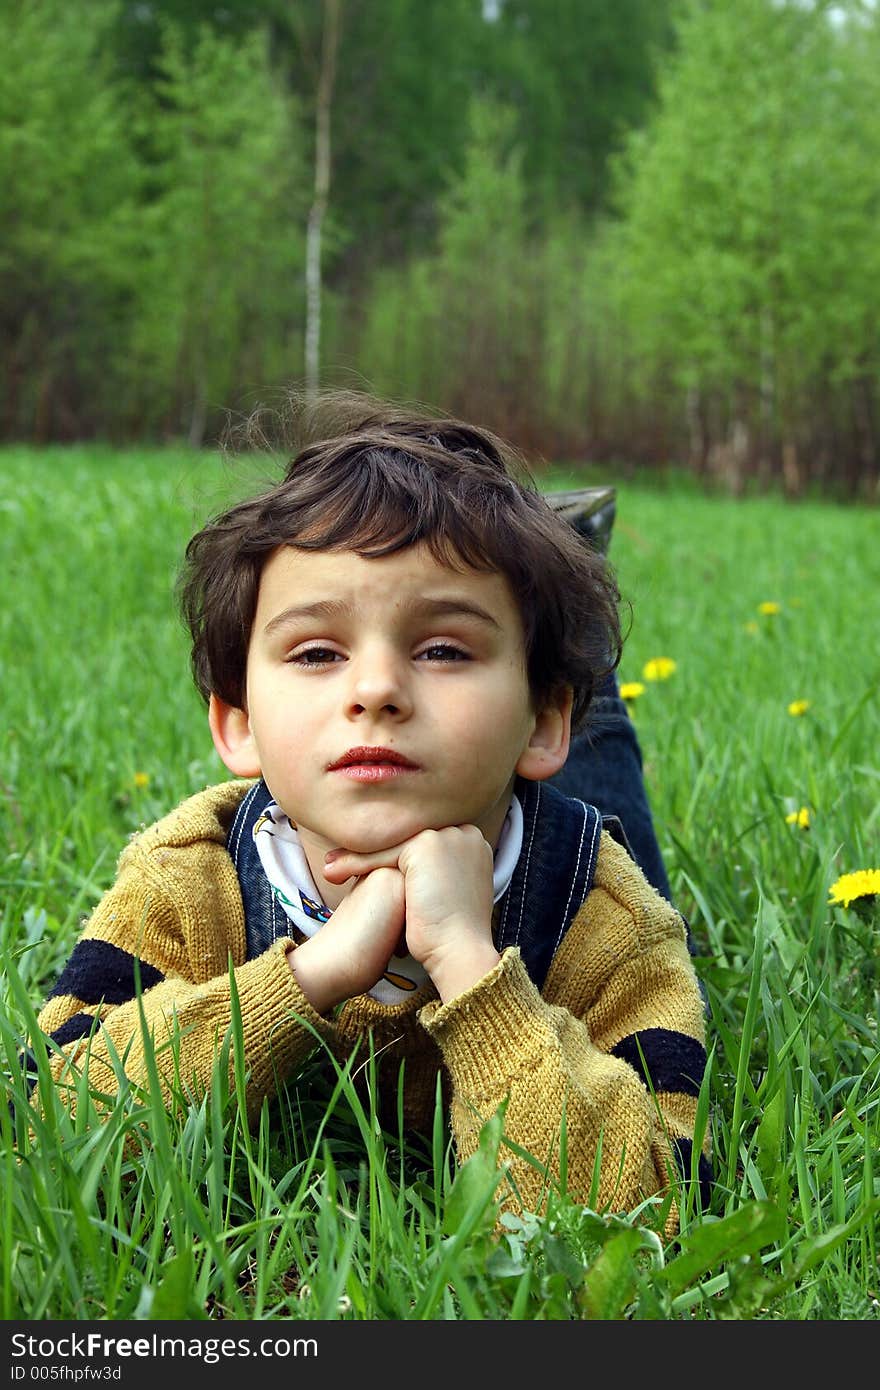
(274, 1004)
(497, 1018)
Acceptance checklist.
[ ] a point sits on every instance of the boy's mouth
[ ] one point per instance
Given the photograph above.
(372, 764)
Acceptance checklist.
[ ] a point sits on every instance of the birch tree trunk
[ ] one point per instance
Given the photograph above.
(326, 78)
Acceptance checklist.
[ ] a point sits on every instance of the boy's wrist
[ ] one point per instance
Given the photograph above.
(313, 980)
(462, 969)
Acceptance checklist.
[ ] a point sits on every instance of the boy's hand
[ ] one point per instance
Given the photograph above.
(447, 879)
(350, 952)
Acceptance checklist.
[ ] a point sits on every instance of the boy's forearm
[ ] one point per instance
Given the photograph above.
(185, 1024)
(506, 1043)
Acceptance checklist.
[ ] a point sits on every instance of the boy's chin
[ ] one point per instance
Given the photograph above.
(376, 838)
(377, 843)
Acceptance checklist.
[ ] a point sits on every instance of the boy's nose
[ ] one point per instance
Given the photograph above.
(378, 684)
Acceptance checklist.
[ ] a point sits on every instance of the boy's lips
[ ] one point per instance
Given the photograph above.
(372, 764)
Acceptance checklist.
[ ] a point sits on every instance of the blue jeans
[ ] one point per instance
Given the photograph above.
(604, 768)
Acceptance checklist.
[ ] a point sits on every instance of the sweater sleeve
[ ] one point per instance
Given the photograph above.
(156, 965)
(621, 1061)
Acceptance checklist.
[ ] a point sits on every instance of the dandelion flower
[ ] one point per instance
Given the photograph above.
(769, 608)
(798, 707)
(141, 779)
(659, 668)
(800, 818)
(864, 883)
(631, 690)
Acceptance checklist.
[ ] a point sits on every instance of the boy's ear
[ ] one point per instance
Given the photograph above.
(231, 732)
(547, 749)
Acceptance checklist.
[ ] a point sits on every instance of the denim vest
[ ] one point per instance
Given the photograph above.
(552, 877)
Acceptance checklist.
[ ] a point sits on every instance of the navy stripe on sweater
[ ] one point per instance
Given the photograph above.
(79, 1026)
(683, 1150)
(98, 971)
(664, 1059)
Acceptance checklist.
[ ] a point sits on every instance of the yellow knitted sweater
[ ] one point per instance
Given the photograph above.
(621, 997)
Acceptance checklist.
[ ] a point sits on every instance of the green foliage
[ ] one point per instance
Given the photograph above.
(643, 230)
(503, 322)
(470, 293)
(139, 30)
(69, 177)
(151, 241)
(722, 311)
(745, 259)
(406, 75)
(157, 169)
(223, 229)
(579, 73)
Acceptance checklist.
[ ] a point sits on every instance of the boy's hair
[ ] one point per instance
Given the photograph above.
(382, 479)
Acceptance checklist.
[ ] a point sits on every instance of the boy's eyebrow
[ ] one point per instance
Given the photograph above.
(323, 608)
(453, 606)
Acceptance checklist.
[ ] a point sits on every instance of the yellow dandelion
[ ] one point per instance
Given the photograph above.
(798, 707)
(752, 628)
(769, 608)
(800, 818)
(631, 690)
(141, 779)
(659, 668)
(864, 883)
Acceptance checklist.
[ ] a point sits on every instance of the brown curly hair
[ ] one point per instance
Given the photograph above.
(375, 478)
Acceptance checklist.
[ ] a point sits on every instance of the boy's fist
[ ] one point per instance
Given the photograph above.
(350, 952)
(447, 879)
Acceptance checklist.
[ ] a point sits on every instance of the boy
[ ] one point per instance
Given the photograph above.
(394, 644)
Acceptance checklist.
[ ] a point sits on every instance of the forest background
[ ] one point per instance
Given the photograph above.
(642, 231)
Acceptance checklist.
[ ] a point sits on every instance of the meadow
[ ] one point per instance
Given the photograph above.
(760, 748)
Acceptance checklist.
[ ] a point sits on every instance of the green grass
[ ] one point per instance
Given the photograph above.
(319, 1213)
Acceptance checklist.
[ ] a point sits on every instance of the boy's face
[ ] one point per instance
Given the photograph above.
(387, 696)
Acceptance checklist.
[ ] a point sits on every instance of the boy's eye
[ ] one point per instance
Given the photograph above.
(314, 656)
(442, 651)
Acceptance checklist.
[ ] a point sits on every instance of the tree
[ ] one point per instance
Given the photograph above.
(323, 109)
(455, 326)
(70, 182)
(223, 244)
(747, 254)
(579, 74)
